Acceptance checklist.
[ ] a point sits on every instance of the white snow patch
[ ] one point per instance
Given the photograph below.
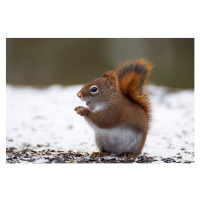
(47, 116)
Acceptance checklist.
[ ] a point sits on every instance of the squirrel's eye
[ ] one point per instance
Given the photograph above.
(94, 89)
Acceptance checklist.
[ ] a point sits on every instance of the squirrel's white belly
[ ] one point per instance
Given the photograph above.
(117, 140)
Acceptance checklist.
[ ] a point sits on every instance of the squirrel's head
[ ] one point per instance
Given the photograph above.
(97, 92)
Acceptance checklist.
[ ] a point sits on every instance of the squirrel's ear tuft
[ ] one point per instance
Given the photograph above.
(107, 74)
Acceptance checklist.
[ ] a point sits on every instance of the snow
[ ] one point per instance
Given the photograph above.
(46, 116)
(172, 126)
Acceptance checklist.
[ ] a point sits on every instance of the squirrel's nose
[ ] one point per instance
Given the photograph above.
(79, 94)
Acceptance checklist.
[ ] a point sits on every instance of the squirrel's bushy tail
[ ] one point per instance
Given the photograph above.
(131, 78)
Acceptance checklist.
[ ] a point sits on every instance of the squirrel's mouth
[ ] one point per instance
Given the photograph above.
(88, 103)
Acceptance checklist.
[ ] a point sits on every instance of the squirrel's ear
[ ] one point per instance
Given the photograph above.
(110, 78)
(111, 81)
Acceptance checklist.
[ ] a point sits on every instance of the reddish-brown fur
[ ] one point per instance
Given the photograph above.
(126, 103)
(131, 82)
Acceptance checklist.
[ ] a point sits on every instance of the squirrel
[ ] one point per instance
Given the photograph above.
(118, 109)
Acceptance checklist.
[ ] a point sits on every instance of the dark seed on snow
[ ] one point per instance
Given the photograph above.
(139, 161)
(112, 159)
(70, 127)
(92, 159)
(179, 157)
(31, 160)
(12, 162)
(187, 161)
(48, 162)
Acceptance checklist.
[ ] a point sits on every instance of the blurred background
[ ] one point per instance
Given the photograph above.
(46, 61)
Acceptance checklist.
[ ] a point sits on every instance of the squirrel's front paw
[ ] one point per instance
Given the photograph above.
(82, 110)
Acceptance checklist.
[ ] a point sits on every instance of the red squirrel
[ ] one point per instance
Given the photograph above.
(118, 109)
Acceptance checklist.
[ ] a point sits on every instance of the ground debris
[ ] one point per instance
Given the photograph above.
(14, 155)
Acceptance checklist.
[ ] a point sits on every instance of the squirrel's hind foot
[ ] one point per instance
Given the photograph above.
(99, 154)
(129, 155)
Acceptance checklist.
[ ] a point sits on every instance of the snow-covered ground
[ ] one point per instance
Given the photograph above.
(47, 117)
